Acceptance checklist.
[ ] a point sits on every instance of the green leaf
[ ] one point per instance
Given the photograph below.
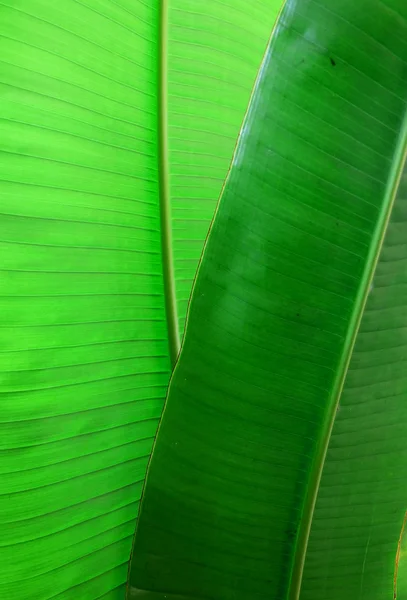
(362, 501)
(283, 292)
(83, 333)
(214, 53)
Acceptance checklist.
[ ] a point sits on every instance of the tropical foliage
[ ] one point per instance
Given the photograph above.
(84, 344)
(278, 468)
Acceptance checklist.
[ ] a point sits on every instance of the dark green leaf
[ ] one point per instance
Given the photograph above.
(274, 315)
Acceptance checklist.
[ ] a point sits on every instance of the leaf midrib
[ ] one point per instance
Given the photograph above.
(167, 255)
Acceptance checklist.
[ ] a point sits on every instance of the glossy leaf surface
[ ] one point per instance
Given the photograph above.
(273, 319)
(83, 337)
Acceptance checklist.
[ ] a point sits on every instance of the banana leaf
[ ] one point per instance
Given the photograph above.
(279, 469)
(118, 122)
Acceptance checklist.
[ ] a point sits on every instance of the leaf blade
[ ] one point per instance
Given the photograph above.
(83, 339)
(220, 518)
(369, 508)
(83, 327)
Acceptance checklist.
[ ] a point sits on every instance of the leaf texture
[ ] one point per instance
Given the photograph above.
(84, 355)
(362, 499)
(214, 52)
(273, 317)
(84, 344)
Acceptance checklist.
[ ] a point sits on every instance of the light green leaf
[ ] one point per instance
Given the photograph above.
(214, 52)
(278, 304)
(83, 333)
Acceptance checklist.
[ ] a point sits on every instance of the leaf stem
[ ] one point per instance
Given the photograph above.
(164, 187)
